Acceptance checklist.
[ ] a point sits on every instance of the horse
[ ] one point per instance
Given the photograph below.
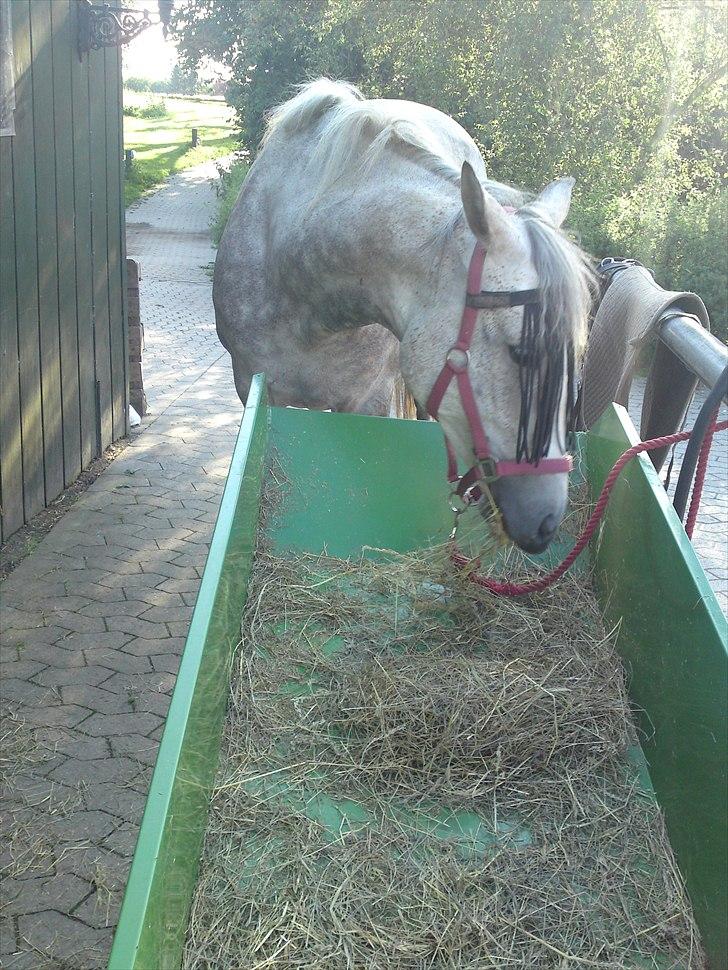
(342, 270)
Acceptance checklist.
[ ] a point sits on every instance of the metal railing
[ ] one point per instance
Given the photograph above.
(706, 358)
(702, 353)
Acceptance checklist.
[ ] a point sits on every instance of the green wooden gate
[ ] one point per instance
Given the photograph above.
(63, 381)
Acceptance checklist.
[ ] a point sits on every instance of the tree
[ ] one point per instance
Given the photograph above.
(626, 95)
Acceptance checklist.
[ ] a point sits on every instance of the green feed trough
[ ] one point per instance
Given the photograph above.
(356, 481)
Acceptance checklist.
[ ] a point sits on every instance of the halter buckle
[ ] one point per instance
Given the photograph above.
(489, 469)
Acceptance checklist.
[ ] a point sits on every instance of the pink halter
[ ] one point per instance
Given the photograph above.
(457, 362)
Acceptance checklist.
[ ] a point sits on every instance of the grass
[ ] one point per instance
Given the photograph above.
(163, 146)
(231, 181)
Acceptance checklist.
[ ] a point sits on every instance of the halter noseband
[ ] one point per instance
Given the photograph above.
(457, 362)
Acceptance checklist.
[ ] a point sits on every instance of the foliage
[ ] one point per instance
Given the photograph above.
(181, 81)
(164, 146)
(627, 96)
(228, 188)
(152, 109)
(138, 84)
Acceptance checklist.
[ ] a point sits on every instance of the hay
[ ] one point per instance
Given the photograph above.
(418, 774)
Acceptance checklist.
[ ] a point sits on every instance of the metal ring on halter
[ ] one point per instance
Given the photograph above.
(462, 499)
(458, 368)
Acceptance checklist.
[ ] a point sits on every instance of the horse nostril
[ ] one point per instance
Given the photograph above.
(548, 527)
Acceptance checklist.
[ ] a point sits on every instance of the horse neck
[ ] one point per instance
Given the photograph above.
(395, 265)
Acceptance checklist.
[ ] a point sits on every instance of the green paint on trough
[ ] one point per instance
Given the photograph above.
(360, 481)
(673, 643)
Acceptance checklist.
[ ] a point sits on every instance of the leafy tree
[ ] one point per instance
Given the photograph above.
(627, 95)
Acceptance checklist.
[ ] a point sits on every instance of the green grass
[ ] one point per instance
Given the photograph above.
(230, 184)
(163, 146)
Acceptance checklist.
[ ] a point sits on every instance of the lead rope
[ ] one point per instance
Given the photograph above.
(505, 588)
(700, 473)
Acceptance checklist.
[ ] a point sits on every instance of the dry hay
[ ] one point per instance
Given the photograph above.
(418, 774)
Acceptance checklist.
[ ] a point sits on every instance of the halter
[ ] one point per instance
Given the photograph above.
(486, 468)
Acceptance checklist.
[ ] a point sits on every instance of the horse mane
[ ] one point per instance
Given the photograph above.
(346, 122)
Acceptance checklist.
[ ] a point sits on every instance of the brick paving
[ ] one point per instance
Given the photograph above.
(94, 620)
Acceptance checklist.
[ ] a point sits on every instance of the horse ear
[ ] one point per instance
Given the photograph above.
(483, 213)
(555, 200)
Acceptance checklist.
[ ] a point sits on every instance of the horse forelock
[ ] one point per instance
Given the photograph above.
(565, 278)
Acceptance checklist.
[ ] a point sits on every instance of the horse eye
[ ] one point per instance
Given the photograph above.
(520, 356)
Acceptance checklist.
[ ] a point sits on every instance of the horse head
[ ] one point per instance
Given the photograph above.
(501, 381)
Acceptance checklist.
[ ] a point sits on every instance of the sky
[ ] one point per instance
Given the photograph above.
(149, 55)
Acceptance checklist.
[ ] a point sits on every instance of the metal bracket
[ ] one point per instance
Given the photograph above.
(107, 26)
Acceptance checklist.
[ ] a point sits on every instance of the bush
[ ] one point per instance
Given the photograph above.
(153, 109)
(677, 233)
(228, 188)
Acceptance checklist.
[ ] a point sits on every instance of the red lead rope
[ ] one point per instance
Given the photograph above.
(519, 589)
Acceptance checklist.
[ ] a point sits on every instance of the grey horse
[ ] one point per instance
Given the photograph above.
(343, 266)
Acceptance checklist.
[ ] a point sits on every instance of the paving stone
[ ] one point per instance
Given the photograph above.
(114, 725)
(82, 748)
(117, 660)
(61, 936)
(13, 618)
(142, 646)
(153, 702)
(84, 826)
(168, 662)
(23, 691)
(158, 597)
(96, 699)
(115, 799)
(128, 584)
(181, 585)
(61, 715)
(98, 592)
(78, 624)
(52, 654)
(20, 668)
(30, 959)
(100, 910)
(106, 639)
(138, 627)
(123, 839)
(122, 608)
(79, 772)
(142, 682)
(179, 629)
(7, 935)
(61, 676)
(68, 601)
(62, 892)
(28, 586)
(33, 637)
(162, 614)
(136, 747)
(169, 570)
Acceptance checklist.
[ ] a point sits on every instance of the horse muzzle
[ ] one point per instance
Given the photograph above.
(532, 508)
